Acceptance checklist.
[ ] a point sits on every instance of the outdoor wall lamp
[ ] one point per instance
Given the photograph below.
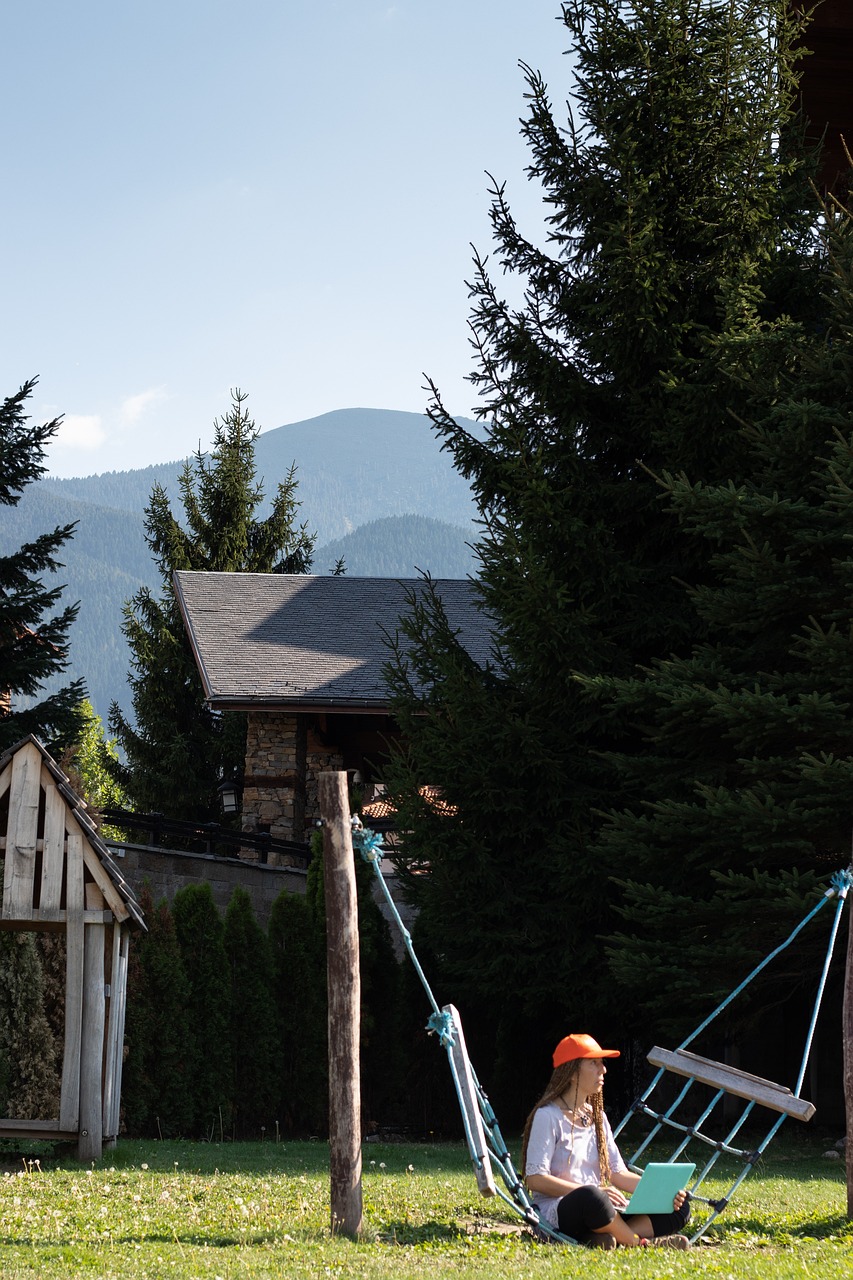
(230, 794)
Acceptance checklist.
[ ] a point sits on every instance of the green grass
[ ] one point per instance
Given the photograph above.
(194, 1211)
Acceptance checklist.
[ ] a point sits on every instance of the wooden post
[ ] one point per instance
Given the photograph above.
(90, 1138)
(344, 986)
(847, 1043)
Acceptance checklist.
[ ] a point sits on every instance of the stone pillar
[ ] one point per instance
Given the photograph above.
(274, 777)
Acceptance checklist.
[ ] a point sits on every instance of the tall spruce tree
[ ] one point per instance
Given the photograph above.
(676, 193)
(33, 647)
(745, 769)
(177, 748)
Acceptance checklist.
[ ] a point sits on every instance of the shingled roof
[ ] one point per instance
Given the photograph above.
(318, 643)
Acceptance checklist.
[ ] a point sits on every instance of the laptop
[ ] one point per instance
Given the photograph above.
(656, 1189)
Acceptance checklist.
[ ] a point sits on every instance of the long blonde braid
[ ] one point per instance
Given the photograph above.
(562, 1077)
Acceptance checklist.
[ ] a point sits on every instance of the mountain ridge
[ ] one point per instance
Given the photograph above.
(375, 485)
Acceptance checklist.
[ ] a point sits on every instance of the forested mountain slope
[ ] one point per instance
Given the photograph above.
(373, 484)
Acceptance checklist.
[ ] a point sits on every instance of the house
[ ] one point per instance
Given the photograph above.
(303, 656)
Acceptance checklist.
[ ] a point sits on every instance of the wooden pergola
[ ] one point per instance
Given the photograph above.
(59, 876)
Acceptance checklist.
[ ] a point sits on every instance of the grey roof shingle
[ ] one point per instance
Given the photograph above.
(294, 639)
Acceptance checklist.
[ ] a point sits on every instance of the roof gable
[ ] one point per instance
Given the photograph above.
(31, 892)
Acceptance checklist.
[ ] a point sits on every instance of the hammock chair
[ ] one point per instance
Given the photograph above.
(486, 1145)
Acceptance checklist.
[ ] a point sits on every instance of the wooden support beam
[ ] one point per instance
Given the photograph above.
(69, 1106)
(53, 849)
(116, 902)
(46, 1130)
(91, 1131)
(344, 986)
(115, 1029)
(22, 833)
(739, 1083)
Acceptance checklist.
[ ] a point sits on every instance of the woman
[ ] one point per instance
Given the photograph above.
(572, 1166)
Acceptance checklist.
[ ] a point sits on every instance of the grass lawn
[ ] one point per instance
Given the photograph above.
(181, 1210)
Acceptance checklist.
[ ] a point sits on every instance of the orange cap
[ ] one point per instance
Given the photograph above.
(580, 1046)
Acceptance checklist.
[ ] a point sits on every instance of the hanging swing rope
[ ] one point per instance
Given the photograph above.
(485, 1141)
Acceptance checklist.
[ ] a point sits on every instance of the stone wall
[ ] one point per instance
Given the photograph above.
(274, 777)
(285, 753)
(168, 870)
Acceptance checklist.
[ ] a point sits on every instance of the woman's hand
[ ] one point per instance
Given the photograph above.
(615, 1196)
(680, 1197)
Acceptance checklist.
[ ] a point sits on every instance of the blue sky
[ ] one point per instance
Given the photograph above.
(201, 194)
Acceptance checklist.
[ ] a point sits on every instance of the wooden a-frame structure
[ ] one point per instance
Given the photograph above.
(59, 876)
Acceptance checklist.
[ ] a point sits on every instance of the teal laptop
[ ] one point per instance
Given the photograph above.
(656, 1189)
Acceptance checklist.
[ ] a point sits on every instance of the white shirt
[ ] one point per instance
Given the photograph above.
(558, 1148)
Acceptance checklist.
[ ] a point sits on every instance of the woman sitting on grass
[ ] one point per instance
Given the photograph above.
(572, 1166)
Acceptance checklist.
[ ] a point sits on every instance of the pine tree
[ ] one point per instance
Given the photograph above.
(178, 748)
(254, 1021)
(33, 647)
(746, 764)
(677, 194)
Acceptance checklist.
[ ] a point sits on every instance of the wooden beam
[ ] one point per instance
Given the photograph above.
(119, 1009)
(12, 1127)
(5, 779)
(22, 833)
(69, 1107)
(344, 986)
(91, 1125)
(53, 849)
(114, 952)
(117, 903)
(739, 1083)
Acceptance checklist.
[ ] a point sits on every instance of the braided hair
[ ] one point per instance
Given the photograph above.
(562, 1079)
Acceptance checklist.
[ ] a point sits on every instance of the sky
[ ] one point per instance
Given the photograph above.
(276, 195)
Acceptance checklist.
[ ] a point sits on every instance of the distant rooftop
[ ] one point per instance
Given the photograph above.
(313, 643)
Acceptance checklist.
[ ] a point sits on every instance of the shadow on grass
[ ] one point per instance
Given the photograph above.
(424, 1233)
(792, 1226)
(287, 1158)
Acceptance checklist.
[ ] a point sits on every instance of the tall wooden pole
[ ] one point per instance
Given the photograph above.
(344, 985)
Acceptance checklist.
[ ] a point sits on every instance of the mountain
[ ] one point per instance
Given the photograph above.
(373, 484)
(402, 547)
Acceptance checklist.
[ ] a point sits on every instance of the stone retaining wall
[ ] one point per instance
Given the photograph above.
(168, 870)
